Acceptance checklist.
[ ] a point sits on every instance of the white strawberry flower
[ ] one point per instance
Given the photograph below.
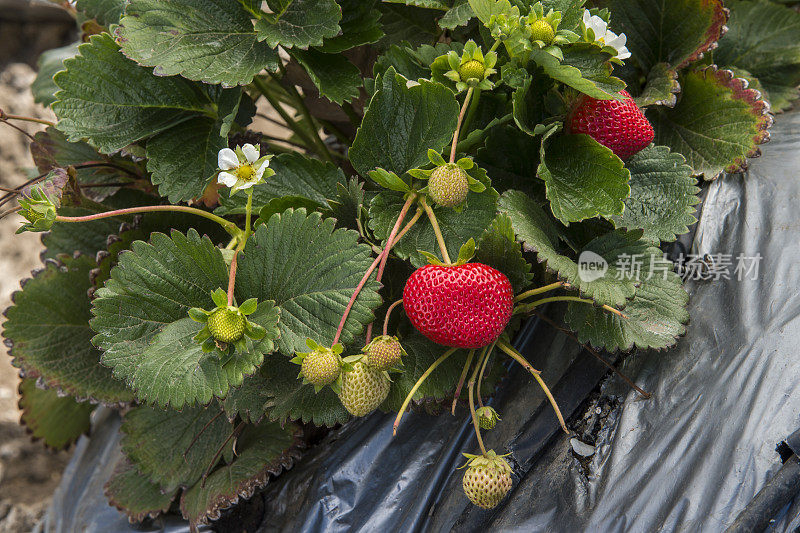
(603, 36)
(242, 168)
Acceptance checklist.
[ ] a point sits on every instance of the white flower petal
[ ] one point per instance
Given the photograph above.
(616, 42)
(599, 26)
(251, 153)
(227, 179)
(262, 168)
(227, 159)
(244, 185)
(586, 17)
(623, 53)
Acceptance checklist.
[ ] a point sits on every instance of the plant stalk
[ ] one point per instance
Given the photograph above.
(229, 226)
(462, 379)
(461, 114)
(388, 314)
(418, 384)
(436, 230)
(471, 388)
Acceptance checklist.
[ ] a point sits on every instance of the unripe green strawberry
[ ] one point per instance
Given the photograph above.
(487, 479)
(226, 324)
(448, 185)
(383, 353)
(363, 389)
(541, 30)
(472, 69)
(321, 367)
(487, 417)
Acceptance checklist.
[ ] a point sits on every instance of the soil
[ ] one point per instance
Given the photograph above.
(28, 472)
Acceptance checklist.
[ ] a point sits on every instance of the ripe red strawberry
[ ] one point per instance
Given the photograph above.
(464, 306)
(617, 124)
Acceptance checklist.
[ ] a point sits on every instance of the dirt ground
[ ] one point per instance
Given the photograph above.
(28, 472)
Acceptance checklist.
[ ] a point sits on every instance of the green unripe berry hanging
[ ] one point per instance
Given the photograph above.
(226, 325)
(363, 389)
(541, 30)
(321, 367)
(448, 185)
(383, 352)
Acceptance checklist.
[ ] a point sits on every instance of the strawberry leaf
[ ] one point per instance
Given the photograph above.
(173, 448)
(105, 12)
(663, 195)
(762, 39)
(677, 32)
(134, 494)
(48, 333)
(584, 179)
(585, 67)
(141, 316)
(336, 78)
(717, 124)
(499, 249)
(49, 63)
(262, 452)
(458, 15)
(298, 23)
(212, 41)
(662, 87)
(457, 228)
(430, 110)
(656, 317)
(359, 26)
(539, 234)
(57, 420)
(311, 285)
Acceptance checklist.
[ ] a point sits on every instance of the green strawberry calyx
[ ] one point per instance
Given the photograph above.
(488, 460)
(448, 183)
(321, 366)
(226, 327)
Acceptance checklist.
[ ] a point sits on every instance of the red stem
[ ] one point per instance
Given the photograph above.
(388, 314)
(368, 273)
(232, 277)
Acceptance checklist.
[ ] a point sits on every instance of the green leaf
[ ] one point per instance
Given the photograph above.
(429, 112)
(48, 331)
(160, 359)
(677, 32)
(539, 234)
(430, 4)
(663, 195)
(299, 23)
(359, 26)
(499, 249)
(173, 448)
(50, 62)
(183, 159)
(335, 77)
(155, 284)
(457, 228)
(528, 101)
(124, 103)
(762, 39)
(584, 68)
(407, 24)
(311, 284)
(263, 452)
(58, 420)
(656, 317)
(662, 87)
(295, 175)
(717, 124)
(484, 9)
(212, 41)
(134, 494)
(105, 12)
(389, 180)
(458, 15)
(584, 179)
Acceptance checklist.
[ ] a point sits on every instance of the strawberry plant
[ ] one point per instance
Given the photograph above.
(447, 165)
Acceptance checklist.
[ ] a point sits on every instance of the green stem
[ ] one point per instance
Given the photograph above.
(418, 384)
(458, 124)
(264, 89)
(473, 109)
(232, 278)
(248, 215)
(322, 149)
(539, 290)
(471, 387)
(5, 116)
(230, 227)
(461, 380)
(525, 308)
(537, 375)
(496, 45)
(436, 230)
(483, 369)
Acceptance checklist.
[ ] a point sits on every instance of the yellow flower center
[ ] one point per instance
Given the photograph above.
(246, 173)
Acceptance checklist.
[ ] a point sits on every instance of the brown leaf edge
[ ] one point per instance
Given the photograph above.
(247, 489)
(124, 465)
(29, 373)
(759, 108)
(30, 431)
(714, 33)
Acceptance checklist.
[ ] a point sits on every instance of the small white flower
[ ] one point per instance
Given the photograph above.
(604, 36)
(242, 168)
